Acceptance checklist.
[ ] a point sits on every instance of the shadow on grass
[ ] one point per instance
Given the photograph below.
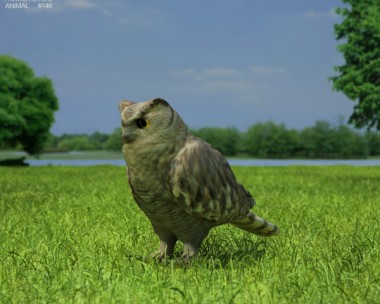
(222, 250)
(217, 252)
(14, 162)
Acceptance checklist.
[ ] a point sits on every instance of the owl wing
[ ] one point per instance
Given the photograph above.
(204, 185)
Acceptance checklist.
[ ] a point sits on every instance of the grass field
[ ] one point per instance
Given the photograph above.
(75, 235)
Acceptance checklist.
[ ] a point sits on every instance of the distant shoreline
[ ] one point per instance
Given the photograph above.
(93, 158)
(116, 155)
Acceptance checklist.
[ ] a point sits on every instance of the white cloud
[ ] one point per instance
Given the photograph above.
(266, 70)
(226, 73)
(218, 79)
(221, 72)
(183, 73)
(233, 86)
(312, 14)
(207, 74)
(80, 4)
(140, 18)
(62, 5)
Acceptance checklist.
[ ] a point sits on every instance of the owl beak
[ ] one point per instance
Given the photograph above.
(127, 138)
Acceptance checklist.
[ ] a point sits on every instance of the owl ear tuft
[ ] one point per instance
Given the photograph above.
(125, 103)
(160, 101)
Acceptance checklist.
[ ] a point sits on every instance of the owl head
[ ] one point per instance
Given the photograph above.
(150, 123)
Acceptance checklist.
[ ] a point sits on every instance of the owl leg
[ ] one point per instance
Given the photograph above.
(167, 244)
(192, 247)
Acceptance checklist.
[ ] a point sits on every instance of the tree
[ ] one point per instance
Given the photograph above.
(373, 141)
(226, 140)
(76, 143)
(114, 142)
(317, 141)
(326, 141)
(269, 140)
(359, 77)
(27, 105)
(98, 139)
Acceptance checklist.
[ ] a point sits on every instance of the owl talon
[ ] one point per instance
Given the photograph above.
(157, 255)
(186, 257)
(189, 252)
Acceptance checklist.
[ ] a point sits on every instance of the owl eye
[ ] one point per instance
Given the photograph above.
(141, 123)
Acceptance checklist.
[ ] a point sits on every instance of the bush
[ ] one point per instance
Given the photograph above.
(77, 143)
(373, 142)
(114, 141)
(269, 140)
(226, 140)
(325, 141)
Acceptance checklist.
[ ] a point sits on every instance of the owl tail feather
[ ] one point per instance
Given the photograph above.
(257, 225)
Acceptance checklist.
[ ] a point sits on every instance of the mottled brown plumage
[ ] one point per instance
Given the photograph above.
(183, 185)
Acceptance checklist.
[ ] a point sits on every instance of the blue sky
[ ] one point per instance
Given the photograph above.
(217, 62)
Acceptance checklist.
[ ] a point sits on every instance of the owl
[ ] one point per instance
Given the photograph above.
(183, 185)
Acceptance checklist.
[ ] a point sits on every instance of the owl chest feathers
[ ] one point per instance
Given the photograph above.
(149, 179)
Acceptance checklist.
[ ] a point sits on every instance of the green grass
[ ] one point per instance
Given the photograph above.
(75, 235)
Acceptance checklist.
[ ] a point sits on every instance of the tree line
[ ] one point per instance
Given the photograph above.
(261, 140)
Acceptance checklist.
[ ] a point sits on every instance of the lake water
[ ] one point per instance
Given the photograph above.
(233, 162)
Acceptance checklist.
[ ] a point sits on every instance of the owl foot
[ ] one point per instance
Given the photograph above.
(158, 256)
(189, 251)
(166, 250)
